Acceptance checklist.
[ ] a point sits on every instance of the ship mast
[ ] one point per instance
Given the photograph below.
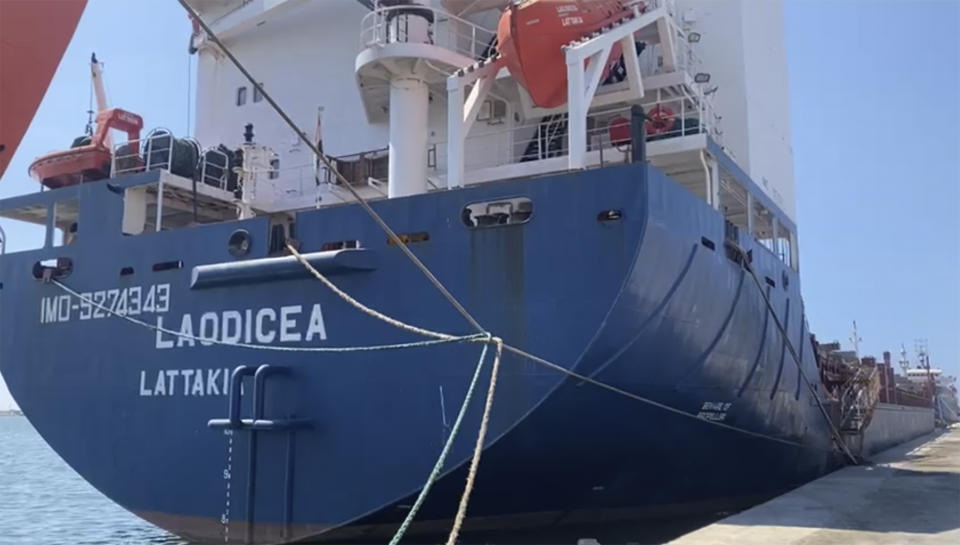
(855, 339)
(904, 361)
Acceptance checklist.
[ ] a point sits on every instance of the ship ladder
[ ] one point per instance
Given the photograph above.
(234, 423)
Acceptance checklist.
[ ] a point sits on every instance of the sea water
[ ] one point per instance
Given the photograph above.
(43, 501)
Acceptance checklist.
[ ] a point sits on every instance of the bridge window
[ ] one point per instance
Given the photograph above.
(66, 221)
(241, 95)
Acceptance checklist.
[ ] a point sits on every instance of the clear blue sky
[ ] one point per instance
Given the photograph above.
(874, 89)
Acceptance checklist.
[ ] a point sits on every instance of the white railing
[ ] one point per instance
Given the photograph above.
(153, 152)
(128, 158)
(692, 111)
(404, 24)
(156, 152)
(607, 134)
(214, 172)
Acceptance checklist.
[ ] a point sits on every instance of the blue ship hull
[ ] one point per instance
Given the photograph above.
(643, 303)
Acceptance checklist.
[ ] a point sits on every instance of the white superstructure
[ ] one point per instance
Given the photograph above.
(372, 82)
(743, 44)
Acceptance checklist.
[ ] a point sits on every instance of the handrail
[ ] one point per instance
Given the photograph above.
(208, 178)
(130, 161)
(390, 24)
(509, 145)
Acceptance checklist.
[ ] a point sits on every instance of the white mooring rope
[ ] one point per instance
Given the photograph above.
(445, 339)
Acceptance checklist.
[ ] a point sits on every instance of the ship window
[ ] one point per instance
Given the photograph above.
(274, 169)
(66, 221)
(241, 95)
(340, 245)
(708, 243)
(126, 271)
(167, 265)
(60, 267)
(498, 213)
(784, 246)
(257, 95)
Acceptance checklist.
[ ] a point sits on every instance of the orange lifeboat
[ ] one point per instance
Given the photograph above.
(90, 162)
(531, 36)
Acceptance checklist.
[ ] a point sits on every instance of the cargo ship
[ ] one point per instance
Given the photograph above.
(602, 191)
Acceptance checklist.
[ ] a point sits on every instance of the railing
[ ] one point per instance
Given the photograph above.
(692, 109)
(3, 241)
(424, 24)
(858, 399)
(161, 150)
(153, 152)
(215, 168)
(357, 168)
(607, 134)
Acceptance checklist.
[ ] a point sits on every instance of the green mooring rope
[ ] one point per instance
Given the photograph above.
(438, 466)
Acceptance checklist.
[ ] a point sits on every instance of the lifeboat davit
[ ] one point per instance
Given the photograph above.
(531, 36)
(90, 162)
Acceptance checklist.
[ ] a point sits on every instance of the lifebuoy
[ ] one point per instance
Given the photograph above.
(659, 120)
(619, 128)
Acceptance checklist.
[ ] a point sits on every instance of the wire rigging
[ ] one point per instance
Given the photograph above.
(329, 165)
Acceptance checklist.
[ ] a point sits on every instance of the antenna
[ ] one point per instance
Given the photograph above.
(923, 356)
(855, 339)
(904, 361)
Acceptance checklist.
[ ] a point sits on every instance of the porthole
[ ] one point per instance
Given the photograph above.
(239, 243)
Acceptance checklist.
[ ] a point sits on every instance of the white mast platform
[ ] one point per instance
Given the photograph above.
(406, 48)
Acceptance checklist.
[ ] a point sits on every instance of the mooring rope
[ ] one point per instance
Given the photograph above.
(648, 401)
(445, 339)
(336, 172)
(364, 308)
(835, 433)
(581, 377)
(478, 447)
(438, 465)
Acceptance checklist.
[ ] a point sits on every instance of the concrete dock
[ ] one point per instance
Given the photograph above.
(911, 494)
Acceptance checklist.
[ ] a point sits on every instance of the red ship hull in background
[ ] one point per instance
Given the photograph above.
(33, 38)
(531, 36)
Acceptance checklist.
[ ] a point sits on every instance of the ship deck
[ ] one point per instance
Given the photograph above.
(910, 494)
